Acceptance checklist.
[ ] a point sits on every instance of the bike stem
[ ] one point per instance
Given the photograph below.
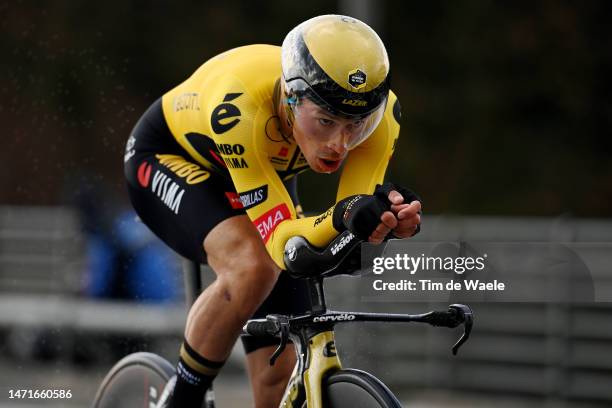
(317, 295)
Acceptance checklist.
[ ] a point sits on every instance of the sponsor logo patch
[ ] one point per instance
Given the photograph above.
(354, 102)
(254, 197)
(168, 191)
(226, 115)
(335, 318)
(338, 246)
(292, 253)
(323, 216)
(227, 149)
(186, 101)
(231, 155)
(234, 200)
(357, 78)
(144, 174)
(235, 163)
(191, 172)
(267, 223)
(129, 149)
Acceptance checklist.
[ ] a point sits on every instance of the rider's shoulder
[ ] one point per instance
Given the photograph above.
(248, 67)
(394, 109)
(242, 76)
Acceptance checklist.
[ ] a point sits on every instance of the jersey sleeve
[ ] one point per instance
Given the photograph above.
(367, 163)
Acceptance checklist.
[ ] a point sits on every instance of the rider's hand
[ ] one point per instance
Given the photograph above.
(361, 214)
(404, 219)
(408, 215)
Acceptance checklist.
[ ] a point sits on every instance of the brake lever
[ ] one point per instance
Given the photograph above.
(465, 316)
(282, 323)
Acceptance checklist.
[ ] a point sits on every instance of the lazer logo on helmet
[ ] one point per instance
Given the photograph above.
(336, 248)
(267, 222)
(354, 102)
(334, 318)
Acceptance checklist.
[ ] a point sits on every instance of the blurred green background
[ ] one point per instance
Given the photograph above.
(507, 111)
(506, 105)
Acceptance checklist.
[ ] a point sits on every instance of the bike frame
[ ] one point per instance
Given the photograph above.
(314, 342)
(316, 358)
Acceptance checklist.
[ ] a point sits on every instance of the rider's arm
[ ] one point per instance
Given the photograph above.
(364, 169)
(366, 165)
(275, 217)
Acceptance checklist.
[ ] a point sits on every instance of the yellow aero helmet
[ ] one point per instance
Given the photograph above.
(339, 63)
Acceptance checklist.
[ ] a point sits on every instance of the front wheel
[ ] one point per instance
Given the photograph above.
(350, 388)
(135, 381)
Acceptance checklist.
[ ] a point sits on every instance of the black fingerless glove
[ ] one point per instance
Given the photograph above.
(382, 192)
(360, 214)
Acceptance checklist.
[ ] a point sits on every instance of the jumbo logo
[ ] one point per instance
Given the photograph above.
(191, 172)
(357, 78)
(221, 118)
(228, 149)
(229, 153)
(267, 223)
(330, 349)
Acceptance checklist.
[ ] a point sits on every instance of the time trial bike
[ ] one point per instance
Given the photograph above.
(318, 379)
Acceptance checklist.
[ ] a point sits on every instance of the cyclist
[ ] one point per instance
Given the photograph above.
(211, 170)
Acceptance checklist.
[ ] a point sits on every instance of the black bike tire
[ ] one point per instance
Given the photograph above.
(156, 364)
(351, 388)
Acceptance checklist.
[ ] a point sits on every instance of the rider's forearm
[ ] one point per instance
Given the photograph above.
(318, 230)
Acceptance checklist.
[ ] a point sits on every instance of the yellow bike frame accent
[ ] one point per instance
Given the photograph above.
(323, 358)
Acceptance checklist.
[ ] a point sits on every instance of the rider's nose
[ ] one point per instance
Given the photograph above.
(339, 144)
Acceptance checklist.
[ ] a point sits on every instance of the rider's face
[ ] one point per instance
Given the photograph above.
(324, 138)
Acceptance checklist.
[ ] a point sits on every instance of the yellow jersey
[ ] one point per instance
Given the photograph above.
(224, 116)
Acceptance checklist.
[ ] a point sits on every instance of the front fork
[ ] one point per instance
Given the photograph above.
(318, 357)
